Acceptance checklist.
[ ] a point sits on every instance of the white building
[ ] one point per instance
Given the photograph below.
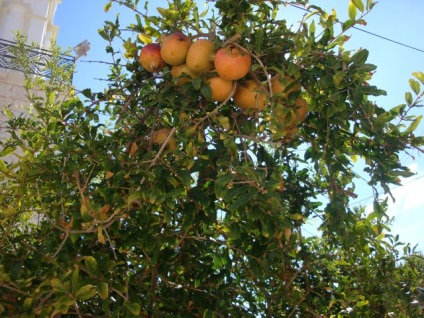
(33, 19)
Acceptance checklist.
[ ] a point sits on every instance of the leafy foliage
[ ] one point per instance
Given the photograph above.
(213, 227)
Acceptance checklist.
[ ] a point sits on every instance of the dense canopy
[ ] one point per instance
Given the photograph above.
(182, 188)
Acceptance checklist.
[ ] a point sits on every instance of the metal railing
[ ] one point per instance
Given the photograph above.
(37, 58)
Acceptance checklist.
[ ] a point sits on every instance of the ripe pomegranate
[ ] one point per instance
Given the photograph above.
(221, 88)
(286, 118)
(298, 113)
(231, 63)
(200, 56)
(175, 47)
(284, 87)
(150, 58)
(182, 71)
(159, 137)
(248, 96)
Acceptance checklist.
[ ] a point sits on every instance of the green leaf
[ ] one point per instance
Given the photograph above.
(28, 303)
(100, 235)
(243, 199)
(359, 5)
(413, 126)
(296, 217)
(351, 10)
(8, 113)
(312, 27)
(3, 167)
(133, 308)
(259, 39)
(362, 303)
(103, 290)
(219, 261)
(415, 86)
(360, 57)
(75, 278)
(65, 301)
(338, 78)
(235, 231)
(208, 314)
(134, 197)
(86, 292)
(197, 83)
(224, 122)
(163, 12)
(338, 41)
(373, 90)
(107, 6)
(58, 286)
(144, 38)
(204, 13)
(408, 98)
(91, 264)
(419, 76)
(266, 228)
(206, 91)
(371, 4)
(103, 34)
(348, 24)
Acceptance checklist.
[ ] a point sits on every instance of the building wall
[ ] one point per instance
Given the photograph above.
(34, 19)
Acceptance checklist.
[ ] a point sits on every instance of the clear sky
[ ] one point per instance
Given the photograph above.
(398, 20)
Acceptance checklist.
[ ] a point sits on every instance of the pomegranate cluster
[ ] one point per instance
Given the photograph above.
(189, 60)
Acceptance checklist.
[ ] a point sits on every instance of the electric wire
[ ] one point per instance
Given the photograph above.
(370, 33)
(388, 39)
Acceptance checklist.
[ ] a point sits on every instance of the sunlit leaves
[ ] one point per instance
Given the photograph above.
(214, 225)
(419, 76)
(352, 10)
(408, 98)
(144, 38)
(103, 290)
(359, 4)
(415, 86)
(58, 286)
(107, 6)
(86, 292)
(133, 308)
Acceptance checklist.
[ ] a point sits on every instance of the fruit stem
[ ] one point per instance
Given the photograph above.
(232, 40)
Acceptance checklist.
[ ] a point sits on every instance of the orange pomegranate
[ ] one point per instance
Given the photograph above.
(159, 137)
(174, 48)
(231, 63)
(221, 88)
(284, 87)
(151, 59)
(248, 95)
(298, 112)
(200, 56)
(184, 74)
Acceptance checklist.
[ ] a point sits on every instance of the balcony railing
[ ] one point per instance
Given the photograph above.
(38, 59)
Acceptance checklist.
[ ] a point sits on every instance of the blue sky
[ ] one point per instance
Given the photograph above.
(398, 20)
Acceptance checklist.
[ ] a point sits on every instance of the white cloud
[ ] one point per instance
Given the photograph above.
(408, 208)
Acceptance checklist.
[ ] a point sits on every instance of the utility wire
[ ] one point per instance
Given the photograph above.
(395, 187)
(371, 33)
(390, 40)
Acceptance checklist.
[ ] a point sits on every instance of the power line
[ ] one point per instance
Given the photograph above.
(390, 40)
(398, 186)
(371, 33)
